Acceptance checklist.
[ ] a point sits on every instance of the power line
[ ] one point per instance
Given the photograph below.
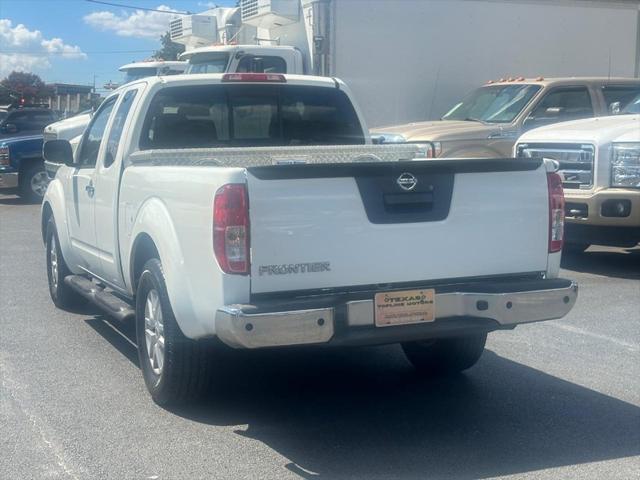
(97, 52)
(138, 8)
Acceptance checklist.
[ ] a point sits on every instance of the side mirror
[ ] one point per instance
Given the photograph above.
(10, 128)
(614, 108)
(58, 151)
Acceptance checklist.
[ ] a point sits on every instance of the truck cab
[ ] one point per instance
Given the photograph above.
(25, 121)
(488, 121)
(245, 59)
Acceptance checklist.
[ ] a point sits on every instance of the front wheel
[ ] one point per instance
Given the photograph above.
(445, 355)
(175, 368)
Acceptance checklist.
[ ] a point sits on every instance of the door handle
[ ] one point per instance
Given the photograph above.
(90, 189)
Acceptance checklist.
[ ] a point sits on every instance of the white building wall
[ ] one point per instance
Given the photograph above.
(412, 59)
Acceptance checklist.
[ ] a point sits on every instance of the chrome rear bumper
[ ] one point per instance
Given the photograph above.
(352, 322)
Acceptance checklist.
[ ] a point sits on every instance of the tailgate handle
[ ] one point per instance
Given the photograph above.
(397, 199)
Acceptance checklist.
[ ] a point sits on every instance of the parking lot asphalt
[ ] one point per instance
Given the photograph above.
(552, 400)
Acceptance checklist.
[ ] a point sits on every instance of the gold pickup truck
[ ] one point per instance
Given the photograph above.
(489, 120)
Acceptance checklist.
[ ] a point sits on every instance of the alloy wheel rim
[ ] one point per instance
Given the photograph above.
(154, 331)
(53, 261)
(39, 183)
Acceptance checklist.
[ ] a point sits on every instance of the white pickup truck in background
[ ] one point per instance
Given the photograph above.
(599, 161)
(252, 208)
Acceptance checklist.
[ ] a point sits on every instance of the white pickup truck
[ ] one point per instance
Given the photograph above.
(253, 208)
(599, 161)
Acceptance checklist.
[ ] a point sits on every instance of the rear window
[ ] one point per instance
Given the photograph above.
(250, 115)
(263, 64)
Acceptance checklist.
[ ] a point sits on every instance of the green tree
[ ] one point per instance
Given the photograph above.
(22, 85)
(170, 50)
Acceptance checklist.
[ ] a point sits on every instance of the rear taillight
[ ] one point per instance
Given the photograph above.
(5, 158)
(556, 212)
(231, 228)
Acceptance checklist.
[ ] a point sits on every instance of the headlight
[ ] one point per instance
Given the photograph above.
(389, 138)
(625, 165)
(430, 149)
(4, 156)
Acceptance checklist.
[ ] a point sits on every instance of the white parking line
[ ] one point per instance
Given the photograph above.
(569, 328)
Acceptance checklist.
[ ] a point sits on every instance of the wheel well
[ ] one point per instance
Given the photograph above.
(26, 163)
(47, 213)
(143, 250)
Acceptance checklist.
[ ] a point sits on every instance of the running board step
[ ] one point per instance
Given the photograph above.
(102, 298)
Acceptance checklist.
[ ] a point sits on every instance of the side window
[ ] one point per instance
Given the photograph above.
(91, 141)
(262, 64)
(19, 119)
(616, 98)
(118, 124)
(561, 105)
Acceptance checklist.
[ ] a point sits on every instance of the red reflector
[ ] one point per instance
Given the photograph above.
(556, 212)
(254, 77)
(231, 228)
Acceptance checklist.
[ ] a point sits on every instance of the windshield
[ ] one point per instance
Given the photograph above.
(138, 73)
(250, 115)
(633, 106)
(493, 104)
(208, 63)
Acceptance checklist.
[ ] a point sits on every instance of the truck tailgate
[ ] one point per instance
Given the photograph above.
(339, 226)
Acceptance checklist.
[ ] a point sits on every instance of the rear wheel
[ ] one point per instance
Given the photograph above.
(442, 356)
(33, 182)
(61, 294)
(175, 368)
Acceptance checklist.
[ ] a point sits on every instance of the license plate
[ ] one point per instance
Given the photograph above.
(405, 307)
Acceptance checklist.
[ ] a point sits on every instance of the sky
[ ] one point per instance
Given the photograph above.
(70, 41)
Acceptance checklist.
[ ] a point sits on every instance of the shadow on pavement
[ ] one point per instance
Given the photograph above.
(620, 263)
(6, 200)
(364, 412)
(121, 335)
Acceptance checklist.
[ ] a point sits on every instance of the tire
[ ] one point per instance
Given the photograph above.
(33, 182)
(62, 295)
(443, 356)
(178, 368)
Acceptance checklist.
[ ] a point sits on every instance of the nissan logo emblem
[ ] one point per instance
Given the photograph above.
(407, 181)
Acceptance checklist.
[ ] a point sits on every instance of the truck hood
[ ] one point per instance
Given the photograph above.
(69, 123)
(440, 130)
(5, 142)
(599, 130)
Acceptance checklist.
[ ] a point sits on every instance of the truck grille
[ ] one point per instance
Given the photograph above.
(576, 161)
